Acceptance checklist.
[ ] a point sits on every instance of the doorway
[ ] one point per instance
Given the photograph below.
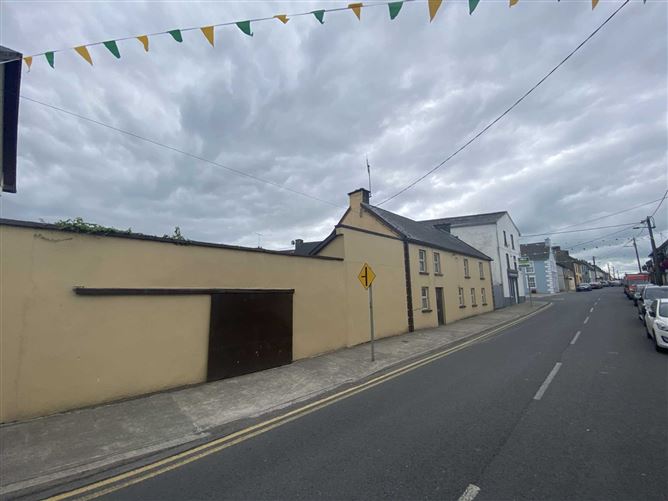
(440, 309)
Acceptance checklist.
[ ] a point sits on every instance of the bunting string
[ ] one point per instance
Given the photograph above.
(394, 8)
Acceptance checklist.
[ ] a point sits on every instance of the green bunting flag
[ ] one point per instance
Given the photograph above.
(176, 35)
(319, 15)
(49, 58)
(245, 27)
(472, 5)
(395, 7)
(113, 48)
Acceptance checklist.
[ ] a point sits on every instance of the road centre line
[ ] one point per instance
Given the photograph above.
(543, 387)
(148, 471)
(591, 310)
(586, 320)
(470, 493)
(575, 338)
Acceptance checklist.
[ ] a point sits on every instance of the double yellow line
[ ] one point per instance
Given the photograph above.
(137, 475)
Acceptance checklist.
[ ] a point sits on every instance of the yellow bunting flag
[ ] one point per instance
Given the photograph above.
(144, 41)
(208, 33)
(28, 61)
(282, 18)
(83, 52)
(513, 2)
(434, 5)
(594, 3)
(357, 9)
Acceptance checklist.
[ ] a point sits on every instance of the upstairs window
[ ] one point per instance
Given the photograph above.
(466, 268)
(512, 241)
(505, 238)
(422, 260)
(437, 263)
(507, 260)
(483, 296)
(481, 267)
(515, 263)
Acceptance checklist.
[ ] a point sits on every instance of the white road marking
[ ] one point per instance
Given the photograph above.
(575, 338)
(586, 320)
(591, 310)
(543, 388)
(470, 493)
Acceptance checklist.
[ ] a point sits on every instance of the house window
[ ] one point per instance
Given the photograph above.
(505, 238)
(423, 260)
(532, 282)
(512, 241)
(462, 301)
(507, 260)
(437, 263)
(473, 301)
(466, 268)
(515, 263)
(425, 298)
(481, 267)
(483, 296)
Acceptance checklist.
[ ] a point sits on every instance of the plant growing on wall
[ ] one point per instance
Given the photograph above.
(80, 226)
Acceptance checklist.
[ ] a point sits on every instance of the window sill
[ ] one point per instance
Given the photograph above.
(474, 305)
(482, 278)
(467, 276)
(424, 273)
(427, 311)
(438, 274)
(462, 306)
(484, 304)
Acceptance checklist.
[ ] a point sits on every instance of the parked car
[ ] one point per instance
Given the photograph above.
(656, 323)
(596, 285)
(649, 294)
(604, 283)
(615, 283)
(583, 287)
(638, 292)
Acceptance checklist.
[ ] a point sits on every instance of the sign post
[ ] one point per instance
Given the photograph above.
(366, 277)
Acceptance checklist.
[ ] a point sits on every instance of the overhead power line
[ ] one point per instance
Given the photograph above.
(188, 154)
(657, 207)
(601, 238)
(508, 110)
(581, 229)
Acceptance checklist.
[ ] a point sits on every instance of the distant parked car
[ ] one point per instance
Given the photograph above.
(615, 283)
(649, 294)
(604, 283)
(596, 285)
(656, 323)
(583, 287)
(638, 293)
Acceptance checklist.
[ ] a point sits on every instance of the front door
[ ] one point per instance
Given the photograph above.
(440, 310)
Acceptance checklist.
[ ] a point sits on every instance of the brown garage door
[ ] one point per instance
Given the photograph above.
(249, 332)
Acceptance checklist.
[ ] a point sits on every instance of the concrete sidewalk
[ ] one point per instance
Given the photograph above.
(46, 451)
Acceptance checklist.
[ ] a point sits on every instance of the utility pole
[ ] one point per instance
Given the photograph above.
(637, 257)
(608, 271)
(595, 277)
(655, 258)
(368, 169)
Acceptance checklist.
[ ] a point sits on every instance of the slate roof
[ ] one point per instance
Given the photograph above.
(538, 251)
(470, 220)
(425, 233)
(305, 248)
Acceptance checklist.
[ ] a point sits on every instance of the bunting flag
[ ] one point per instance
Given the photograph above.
(208, 34)
(113, 48)
(395, 7)
(357, 9)
(144, 41)
(434, 5)
(245, 27)
(83, 52)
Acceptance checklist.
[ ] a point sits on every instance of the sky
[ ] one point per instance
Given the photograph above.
(302, 105)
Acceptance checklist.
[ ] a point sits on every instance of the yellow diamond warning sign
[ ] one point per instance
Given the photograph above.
(366, 276)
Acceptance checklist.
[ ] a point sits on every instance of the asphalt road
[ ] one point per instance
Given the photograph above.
(598, 431)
